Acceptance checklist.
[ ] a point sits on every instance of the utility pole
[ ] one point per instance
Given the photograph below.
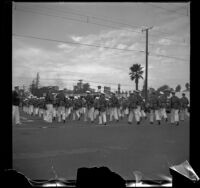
(146, 70)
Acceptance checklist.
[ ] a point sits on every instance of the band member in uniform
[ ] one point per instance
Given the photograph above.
(49, 106)
(61, 106)
(132, 103)
(154, 105)
(143, 109)
(102, 109)
(138, 108)
(114, 104)
(96, 108)
(175, 107)
(163, 105)
(184, 107)
(90, 106)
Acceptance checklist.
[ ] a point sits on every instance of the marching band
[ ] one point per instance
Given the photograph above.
(100, 109)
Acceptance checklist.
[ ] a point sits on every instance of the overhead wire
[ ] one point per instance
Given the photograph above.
(77, 43)
(87, 16)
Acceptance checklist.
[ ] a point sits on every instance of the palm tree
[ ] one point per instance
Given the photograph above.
(136, 73)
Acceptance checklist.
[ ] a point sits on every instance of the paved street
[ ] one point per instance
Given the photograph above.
(41, 150)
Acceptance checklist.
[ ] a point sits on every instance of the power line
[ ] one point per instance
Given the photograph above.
(92, 16)
(88, 21)
(161, 55)
(99, 18)
(77, 43)
(73, 19)
(171, 11)
(99, 46)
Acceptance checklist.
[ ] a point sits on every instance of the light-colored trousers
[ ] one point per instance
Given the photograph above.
(102, 116)
(41, 111)
(90, 113)
(143, 114)
(35, 111)
(132, 113)
(96, 113)
(76, 113)
(157, 115)
(61, 113)
(174, 115)
(15, 114)
(49, 113)
(113, 112)
(68, 111)
(163, 113)
(30, 109)
(184, 113)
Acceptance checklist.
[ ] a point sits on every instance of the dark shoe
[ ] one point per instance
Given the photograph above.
(104, 123)
(129, 122)
(177, 123)
(63, 121)
(158, 122)
(151, 122)
(145, 117)
(166, 120)
(138, 122)
(117, 120)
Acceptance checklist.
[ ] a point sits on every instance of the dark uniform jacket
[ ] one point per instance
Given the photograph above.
(163, 101)
(61, 99)
(184, 102)
(114, 102)
(49, 98)
(15, 98)
(125, 104)
(175, 102)
(154, 102)
(102, 104)
(89, 101)
(132, 102)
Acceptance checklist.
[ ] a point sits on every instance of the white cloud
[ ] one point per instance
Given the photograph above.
(76, 38)
(97, 64)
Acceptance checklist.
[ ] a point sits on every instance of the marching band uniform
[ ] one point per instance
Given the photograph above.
(102, 109)
(114, 104)
(175, 106)
(90, 107)
(154, 104)
(138, 107)
(184, 107)
(132, 106)
(49, 106)
(163, 105)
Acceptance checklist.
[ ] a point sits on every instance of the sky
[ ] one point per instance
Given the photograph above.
(118, 26)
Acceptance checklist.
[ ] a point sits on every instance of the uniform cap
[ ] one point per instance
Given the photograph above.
(161, 92)
(88, 92)
(137, 91)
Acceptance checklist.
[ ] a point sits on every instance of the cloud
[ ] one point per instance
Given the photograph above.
(72, 62)
(76, 38)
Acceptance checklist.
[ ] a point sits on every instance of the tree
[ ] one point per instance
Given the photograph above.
(178, 88)
(136, 73)
(187, 86)
(163, 88)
